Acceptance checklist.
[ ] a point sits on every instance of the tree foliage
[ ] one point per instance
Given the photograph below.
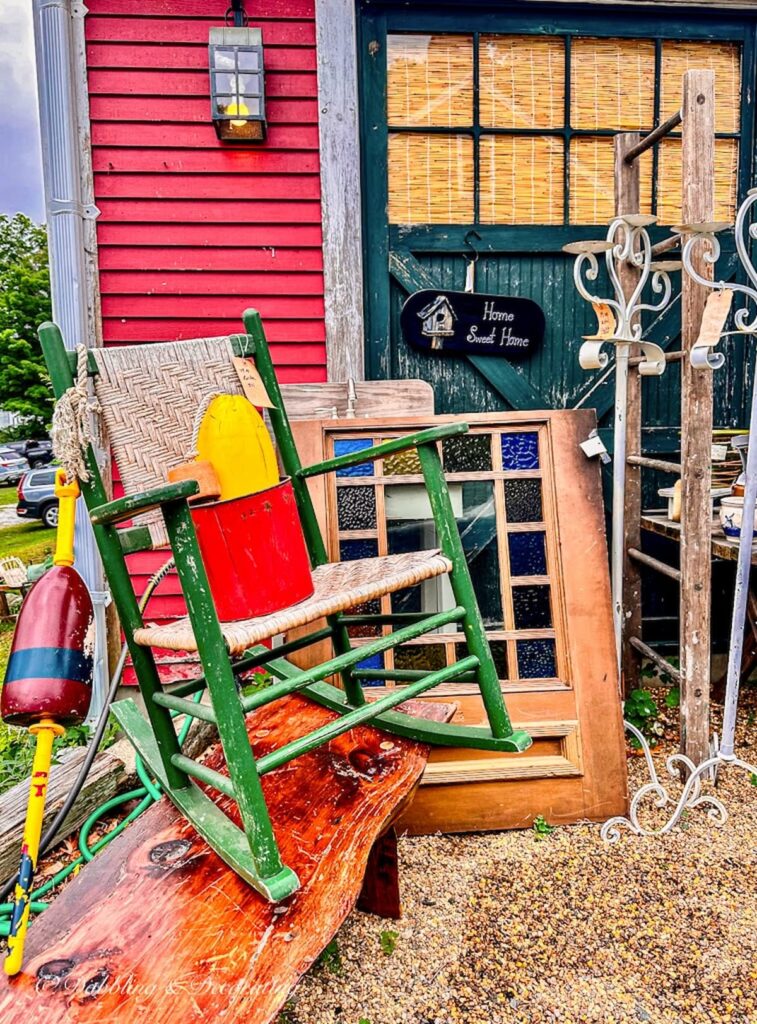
(24, 304)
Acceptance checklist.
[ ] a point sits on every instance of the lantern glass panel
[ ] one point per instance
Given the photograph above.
(248, 60)
(223, 58)
(249, 85)
(225, 83)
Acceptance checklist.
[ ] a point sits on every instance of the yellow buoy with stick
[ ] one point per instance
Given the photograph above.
(48, 686)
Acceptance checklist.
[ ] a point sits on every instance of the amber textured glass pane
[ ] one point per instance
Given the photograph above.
(592, 197)
(521, 82)
(669, 188)
(429, 80)
(403, 464)
(722, 58)
(430, 179)
(612, 84)
(521, 179)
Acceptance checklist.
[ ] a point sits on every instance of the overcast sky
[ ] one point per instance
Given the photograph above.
(20, 158)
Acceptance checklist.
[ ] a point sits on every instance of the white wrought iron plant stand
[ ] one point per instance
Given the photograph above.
(723, 750)
(628, 242)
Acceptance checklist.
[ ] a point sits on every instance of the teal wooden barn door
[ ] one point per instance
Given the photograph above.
(492, 131)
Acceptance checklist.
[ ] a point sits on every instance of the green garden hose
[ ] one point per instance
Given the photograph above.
(147, 793)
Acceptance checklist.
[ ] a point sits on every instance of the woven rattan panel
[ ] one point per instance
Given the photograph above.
(338, 586)
(150, 396)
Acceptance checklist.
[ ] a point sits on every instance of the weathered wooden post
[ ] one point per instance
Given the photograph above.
(698, 156)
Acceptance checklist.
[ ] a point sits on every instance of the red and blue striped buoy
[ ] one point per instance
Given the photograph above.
(49, 672)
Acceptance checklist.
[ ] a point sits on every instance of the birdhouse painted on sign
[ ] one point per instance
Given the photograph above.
(438, 319)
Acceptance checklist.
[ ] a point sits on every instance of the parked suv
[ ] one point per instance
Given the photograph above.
(36, 453)
(36, 497)
(12, 465)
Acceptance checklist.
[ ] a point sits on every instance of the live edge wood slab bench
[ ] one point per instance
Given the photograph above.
(157, 929)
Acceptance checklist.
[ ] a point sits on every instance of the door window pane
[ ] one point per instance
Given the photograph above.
(521, 179)
(471, 453)
(612, 84)
(356, 508)
(522, 82)
(523, 501)
(592, 195)
(429, 80)
(536, 659)
(430, 179)
(669, 189)
(722, 58)
(520, 450)
(527, 554)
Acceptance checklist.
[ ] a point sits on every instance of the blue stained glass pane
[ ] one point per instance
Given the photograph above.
(351, 550)
(375, 661)
(520, 451)
(536, 659)
(347, 447)
(528, 556)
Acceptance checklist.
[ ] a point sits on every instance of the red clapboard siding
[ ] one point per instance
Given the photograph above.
(292, 333)
(212, 186)
(193, 231)
(206, 260)
(174, 109)
(182, 31)
(122, 56)
(159, 306)
(230, 211)
(188, 84)
(195, 136)
(204, 161)
(208, 10)
(135, 283)
(209, 234)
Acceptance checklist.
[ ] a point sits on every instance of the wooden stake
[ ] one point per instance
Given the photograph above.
(696, 426)
(627, 201)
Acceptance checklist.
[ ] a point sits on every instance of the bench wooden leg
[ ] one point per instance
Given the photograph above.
(380, 894)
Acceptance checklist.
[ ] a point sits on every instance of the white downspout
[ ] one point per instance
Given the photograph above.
(66, 214)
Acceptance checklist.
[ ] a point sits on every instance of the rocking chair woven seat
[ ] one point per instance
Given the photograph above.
(150, 398)
(338, 586)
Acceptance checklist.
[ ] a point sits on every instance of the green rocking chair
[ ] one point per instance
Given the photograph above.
(148, 396)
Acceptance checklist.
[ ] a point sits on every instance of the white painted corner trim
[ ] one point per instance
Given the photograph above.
(341, 208)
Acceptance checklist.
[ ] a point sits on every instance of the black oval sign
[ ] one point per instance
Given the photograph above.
(466, 322)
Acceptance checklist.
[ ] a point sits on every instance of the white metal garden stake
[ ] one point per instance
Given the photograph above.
(620, 325)
(723, 751)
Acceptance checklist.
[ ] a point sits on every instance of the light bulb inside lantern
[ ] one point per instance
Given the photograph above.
(241, 109)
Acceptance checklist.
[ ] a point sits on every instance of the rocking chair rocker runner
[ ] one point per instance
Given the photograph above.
(149, 397)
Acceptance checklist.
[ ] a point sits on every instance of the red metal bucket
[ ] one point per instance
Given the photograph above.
(254, 553)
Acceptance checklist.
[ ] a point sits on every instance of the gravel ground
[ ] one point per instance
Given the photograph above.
(512, 928)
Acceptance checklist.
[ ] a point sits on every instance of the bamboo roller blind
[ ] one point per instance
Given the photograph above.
(521, 88)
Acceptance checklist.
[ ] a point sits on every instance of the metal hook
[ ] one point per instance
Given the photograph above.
(467, 241)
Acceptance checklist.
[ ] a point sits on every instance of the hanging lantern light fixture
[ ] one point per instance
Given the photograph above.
(237, 87)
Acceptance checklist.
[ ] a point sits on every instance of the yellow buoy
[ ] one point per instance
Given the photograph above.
(233, 437)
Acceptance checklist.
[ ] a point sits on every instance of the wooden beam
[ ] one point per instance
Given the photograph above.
(106, 777)
(340, 188)
(627, 191)
(158, 928)
(698, 156)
